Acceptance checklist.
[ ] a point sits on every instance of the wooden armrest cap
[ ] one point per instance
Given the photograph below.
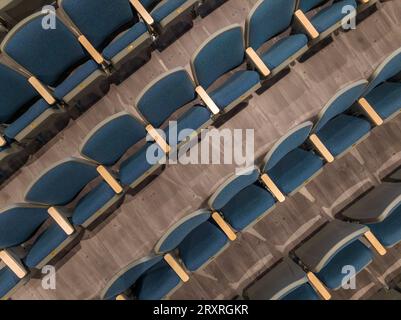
(142, 12)
(207, 100)
(272, 187)
(321, 148)
(91, 49)
(258, 62)
(302, 19)
(13, 263)
(61, 220)
(42, 90)
(111, 181)
(158, 138)
(224, 226)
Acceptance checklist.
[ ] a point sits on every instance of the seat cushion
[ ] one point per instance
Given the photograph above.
(166, 8)
(388, 232)
(26, 119)
(234, 87)
(386, 99)
(246, 206)
(294, 169)
(342, 132)
(355, 254)
(92, 202)
(157, 282)
(193, 119)
(201, 244)
(303, 292)
(8, 280)
(283, 49)
(124, 40)
(48, 241)
(329, 16)
(77, 77)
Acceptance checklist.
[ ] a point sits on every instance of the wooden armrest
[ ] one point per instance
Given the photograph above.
(3, 141)
(304, 22)
(318, 286)
(176, 267)
(207, 100)
(42, 90)
(375, 243)
(142, 12)
(158, 138)
(257, 62)
(370, 112)
(111, 181)
(363, 1)
(321, 148)
(224, 226)
(91, 49)
(121, 297)
(61, 220)
(13, 263)
(272, 187)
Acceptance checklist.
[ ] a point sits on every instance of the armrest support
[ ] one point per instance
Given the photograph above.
(108, 177)
(318, 286)
(305, 24)
(3, 141)
(370, 112)
(91, 49)
(375, 243)
(268, 182)
(176, 267)
(42, 90)
(158, 138)
(321, 148)
(207, 100)
(224, 226)
(257, 62)
(142, 12)
(61, 220)
(13, 263)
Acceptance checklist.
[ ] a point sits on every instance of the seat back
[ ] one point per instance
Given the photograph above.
(220, 53)
(292, 140)
(19, 222)
(150, 4)
(49, 54)
(307, 5)
(127, 277)
(165, 95)
(60, 184)
(111, 138)
(233, 186)
(177, 233)
(341, 101)
(267, 19)
(99, 20)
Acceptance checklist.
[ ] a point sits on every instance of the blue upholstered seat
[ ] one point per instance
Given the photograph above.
(303, 292)
(385, 98)
(8, 280)
(388, 231)
(355, 254)
(166, 8)
(201, 244)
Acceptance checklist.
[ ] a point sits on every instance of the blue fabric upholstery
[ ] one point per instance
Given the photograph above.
(62, 183)
(294, 169)
(108, 143)
(246, 206)
(165, 9)
(307, 5)
(223, 53)
(224, 195)
(8, 280)
(26, 118)
(150, 4)
(342, 132)
(237, 85)
(388, 231)
(201, 244)
(385, 99)
(166, 96)
(156, 282)
(355, 254)
(18, 224)
(48, 241)
(329, 16)
(303, 292)
(92, 202)
(269, 18)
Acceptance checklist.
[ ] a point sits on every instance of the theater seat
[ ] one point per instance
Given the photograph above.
(8, 282)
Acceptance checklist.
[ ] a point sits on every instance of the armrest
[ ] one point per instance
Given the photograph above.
(158, 138)
(321, 148)
(91, 49)
(61, 220)
(207, 100)
(176, 267)
(224, 226)
(305, 24)
(122, 297)
(142, 12)
(111, 181)
(3, 141)
(375, 243)
(257, 62)
(318, 286)
(13, 263)
(370, 112)
(363, 1)
(268, 182)
(42, 90)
